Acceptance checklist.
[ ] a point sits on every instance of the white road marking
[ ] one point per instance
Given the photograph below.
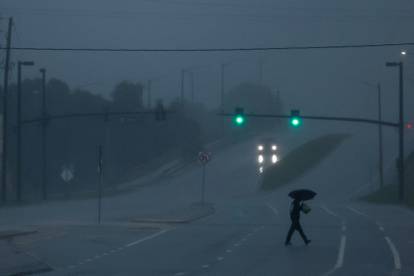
(341, 255)
(395, 254)
(147, 238)
(332, 213)
(229, 251)
(206, 266)
(357, 212)
(343, 227)
(220, 258)
(237, 244)
(179, 274)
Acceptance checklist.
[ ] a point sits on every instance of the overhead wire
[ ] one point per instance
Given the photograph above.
(236, 49)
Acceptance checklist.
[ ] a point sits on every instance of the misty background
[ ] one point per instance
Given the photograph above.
(318, 82)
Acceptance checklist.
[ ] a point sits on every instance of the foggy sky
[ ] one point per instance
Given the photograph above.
(318, 82)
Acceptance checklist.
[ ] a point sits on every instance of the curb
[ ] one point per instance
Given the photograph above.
(179, 218)
(7, 234)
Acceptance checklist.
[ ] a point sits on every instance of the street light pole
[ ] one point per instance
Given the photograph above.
(182, 85)
(380, 143)
(19, 127)
(5, 117)
(192, 85)
(400, 163)
(149, 87)
(44, 135)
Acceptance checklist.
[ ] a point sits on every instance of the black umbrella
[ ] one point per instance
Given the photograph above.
(302, 194)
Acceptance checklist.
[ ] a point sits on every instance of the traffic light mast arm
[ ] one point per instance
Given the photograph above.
(324, 118)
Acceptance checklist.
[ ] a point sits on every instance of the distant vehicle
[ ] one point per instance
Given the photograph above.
(266, 153)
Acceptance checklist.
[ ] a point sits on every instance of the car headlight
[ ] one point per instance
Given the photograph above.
(260, 147)
(274, 158)
(260, 159)
(274, 147)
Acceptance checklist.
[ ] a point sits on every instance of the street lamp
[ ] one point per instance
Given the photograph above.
(20, 64)
(400, 162)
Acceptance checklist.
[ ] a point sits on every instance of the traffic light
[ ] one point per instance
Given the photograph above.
(239, 117)
(295, 119)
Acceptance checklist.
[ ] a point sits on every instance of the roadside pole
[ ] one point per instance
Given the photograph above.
(203, 187)
(5, 117)
(100, 170)
(380, 139)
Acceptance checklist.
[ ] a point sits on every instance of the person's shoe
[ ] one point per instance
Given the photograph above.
(307, 242)
(287, 243)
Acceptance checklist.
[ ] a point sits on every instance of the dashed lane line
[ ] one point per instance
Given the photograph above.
(330, 212)
(150, 237)
(357, 211)
(122, 247)
(395, 254)
(391, 245)
(340, 258)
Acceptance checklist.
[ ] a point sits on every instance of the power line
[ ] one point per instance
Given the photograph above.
(246, 49)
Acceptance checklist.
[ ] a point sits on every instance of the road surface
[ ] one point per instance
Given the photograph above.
(244, 236)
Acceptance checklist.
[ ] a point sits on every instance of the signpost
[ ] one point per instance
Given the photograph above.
(203, 158)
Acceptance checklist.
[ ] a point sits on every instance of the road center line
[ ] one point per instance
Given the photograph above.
(341, 255)
(148, 238)
(395, 254)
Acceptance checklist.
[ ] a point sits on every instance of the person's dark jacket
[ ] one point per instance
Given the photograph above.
(295, 210)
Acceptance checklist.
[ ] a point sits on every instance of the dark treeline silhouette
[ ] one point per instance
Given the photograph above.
(133, 144)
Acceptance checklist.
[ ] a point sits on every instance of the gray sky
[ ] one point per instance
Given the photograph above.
(317, 82)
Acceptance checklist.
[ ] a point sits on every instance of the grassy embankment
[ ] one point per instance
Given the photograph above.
(301, 160)
(389, 193)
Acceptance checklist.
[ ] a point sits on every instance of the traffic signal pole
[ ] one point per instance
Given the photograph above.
(5, 117)
(401, 134)
(380, 140)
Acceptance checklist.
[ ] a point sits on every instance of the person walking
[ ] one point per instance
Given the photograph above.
(296, 207)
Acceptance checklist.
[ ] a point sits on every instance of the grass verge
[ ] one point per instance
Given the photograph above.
(389, 193)
(301, 160)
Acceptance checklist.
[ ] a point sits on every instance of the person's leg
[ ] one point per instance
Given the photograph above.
(302, 234)
(289, 234)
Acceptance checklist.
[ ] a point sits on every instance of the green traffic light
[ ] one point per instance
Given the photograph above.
(295, 122)
(239, 120)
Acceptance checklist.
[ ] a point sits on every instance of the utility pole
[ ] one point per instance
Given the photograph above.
(192, 86)
(44, 135)
(149, 84)
(223, 65)
(400, 162)
(401, 131)
(101, 174)
(5, 117)
(380, 145)
(182, 85)
(19, 127)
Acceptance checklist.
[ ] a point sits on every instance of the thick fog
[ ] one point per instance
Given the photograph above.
(317, 81)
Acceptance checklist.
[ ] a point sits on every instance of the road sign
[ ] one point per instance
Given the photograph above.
(68, 173)
(204, 157)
